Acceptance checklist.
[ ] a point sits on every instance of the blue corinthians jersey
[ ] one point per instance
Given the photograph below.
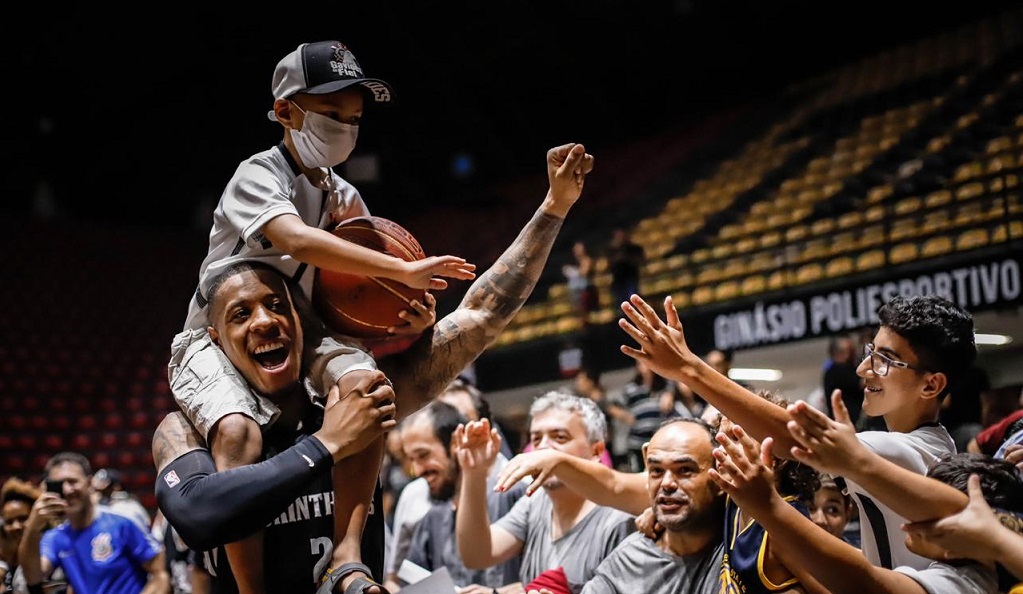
(298, 544)
(742, 568)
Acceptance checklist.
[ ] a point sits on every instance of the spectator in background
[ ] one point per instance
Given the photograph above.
(581, 287)
(184, 564)
(98, 550)
(16, 499)
(429, 445)
(833, 510)
(625, 263)
(554, 527)
(645, 395)
(108, 491)
(840, 374)
(414, 501)
(616, 413)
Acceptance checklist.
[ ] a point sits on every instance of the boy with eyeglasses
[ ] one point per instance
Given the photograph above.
(922, 347)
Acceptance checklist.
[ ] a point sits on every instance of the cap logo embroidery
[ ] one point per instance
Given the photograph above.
(344, 63)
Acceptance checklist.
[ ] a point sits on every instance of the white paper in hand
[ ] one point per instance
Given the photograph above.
(438, 582)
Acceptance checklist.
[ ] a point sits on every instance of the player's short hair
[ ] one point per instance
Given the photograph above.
(213, 286)
(441, 417)
(1000, 481)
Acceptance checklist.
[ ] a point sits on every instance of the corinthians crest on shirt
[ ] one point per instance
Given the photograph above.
(344, 63)
(102, 548)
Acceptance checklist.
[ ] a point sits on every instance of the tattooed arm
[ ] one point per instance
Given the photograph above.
(421, 372)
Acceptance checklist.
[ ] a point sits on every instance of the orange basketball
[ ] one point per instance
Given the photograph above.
(363, 306)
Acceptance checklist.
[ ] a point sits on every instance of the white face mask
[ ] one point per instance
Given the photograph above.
(323, 142)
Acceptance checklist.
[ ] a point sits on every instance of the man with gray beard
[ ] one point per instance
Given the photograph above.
(687, 555)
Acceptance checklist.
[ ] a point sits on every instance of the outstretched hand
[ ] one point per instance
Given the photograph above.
(477, 446)
(662, 344)
(538, 464)
(745, 468)
(828, 445)
(426, 273)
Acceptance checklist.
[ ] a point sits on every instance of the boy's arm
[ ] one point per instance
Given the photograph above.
(591, 479)
(832, 446)
(745, 472)
(662, 347)
(422, 371)
(975, 533)
(322, 249)
(159, 578)
(480, 544)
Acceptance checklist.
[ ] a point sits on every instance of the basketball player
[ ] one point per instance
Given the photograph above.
(192, 493)
(278, 208)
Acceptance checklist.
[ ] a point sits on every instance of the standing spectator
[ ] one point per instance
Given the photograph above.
(109, 492)
(651, 403)
(616, 414)
(840, 374)
(581, 286)
(625, 262)
(101, 552)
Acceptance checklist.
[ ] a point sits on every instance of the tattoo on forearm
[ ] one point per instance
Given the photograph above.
(490, 303)
(174, 437)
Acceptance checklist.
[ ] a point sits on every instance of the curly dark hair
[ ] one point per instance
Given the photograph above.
(999, 479)
(793, 478)
(939, 332)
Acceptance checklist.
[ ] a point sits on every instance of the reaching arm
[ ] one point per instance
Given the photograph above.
(745, 472)
(479, 544)
(831, 445)
(421, 372)
(591, 479)
(975, 533)
(327, 251)
(662, 346)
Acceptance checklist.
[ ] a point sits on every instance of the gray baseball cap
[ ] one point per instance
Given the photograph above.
(323, 67)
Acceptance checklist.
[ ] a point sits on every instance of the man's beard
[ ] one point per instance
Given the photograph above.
(445, 491)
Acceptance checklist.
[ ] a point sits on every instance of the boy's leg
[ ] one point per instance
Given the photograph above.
(355, 479)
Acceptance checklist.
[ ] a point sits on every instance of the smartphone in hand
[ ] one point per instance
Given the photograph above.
(55, 486)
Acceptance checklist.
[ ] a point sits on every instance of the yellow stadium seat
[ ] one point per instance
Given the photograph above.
(903, 252)
(769, 239)
(779, 279)
(701, 255)
(938, 198)
(936, 246)
(871, 236)
(726, 290)
(753, 284)
(809, 273)
(907, 206)
(822, 227)
(874, 214)
(839, 266)
(869, 260)
(850, 219)
(557, 291)
(968, 171)
(971, 239)
(1013, 231)
(703, 295)
(903, 229)
(879, 193)
(970, 190)
(722, 251)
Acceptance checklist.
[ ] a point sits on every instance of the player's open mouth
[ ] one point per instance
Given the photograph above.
(270, 356)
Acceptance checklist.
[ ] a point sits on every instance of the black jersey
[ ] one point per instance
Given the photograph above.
(298, 544)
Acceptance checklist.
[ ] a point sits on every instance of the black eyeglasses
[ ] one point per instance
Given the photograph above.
(881, 363)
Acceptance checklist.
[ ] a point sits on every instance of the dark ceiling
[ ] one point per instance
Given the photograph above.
(146, 111)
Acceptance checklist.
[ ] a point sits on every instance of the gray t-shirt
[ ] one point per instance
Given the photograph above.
(640, 565)
(579, 551)
(942, 578)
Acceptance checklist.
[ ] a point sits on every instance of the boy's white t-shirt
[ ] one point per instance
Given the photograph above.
(264, 186)
(882, 541)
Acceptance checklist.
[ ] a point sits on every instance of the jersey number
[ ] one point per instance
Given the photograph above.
(323, 547)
